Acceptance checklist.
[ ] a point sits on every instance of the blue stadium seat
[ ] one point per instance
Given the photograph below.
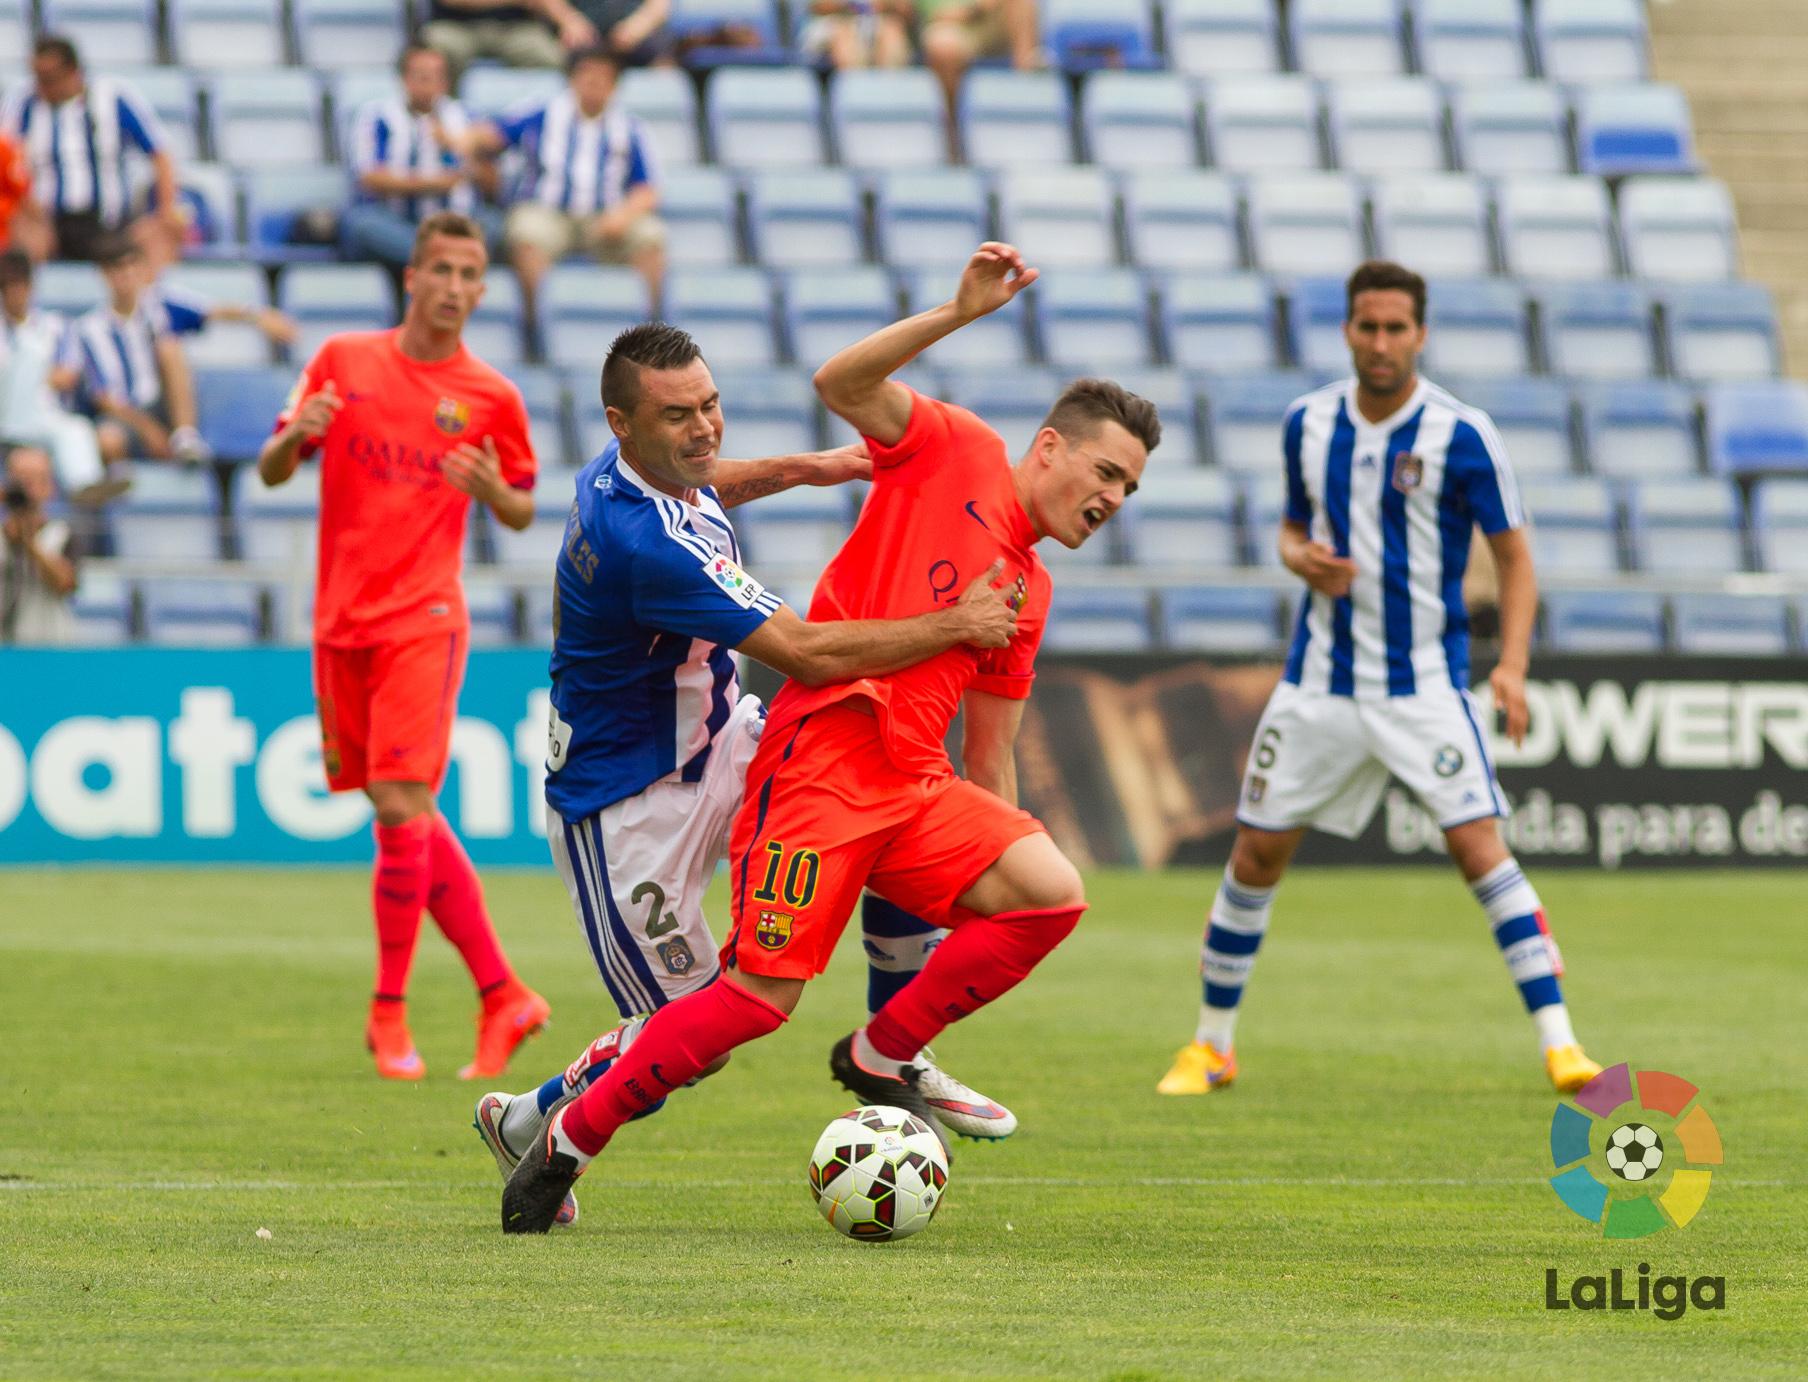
(1059, 217)
(492, 607)
(1470, 40)
(1640, 429)
(1582, 41)
(275, 201)
(1688, 527)
(1181, 444)
(15, 34)
(698, 208)
(1510, 129)
(694, 19)
(1603, 621)
(826, 309)
(1731, 625)
(1389, 126)
(170, 514)
(497, 328)
(1557, 227)
(1221, 38)
(1263, 124)
(203, 613)
(210, 196)
(1099, 621)
(1316, 308)
(68, 287)
(929, 217)
(1219, 619)
(543, 392)
(1305, 223)
(592, 428)
(269, 118)
(492, 90)
(1094, 322)
(1598, 330)
(1219, 323)
(1478, 328)
(1533, 419)
(102, 605)
(761, 118)
(1721, 330)
(1184, 518)
(1679, 228)
(116, 33)
(535, 547)
(339, 34)
(1010, 119)
(1181, 220)
(1438, 223)
(1139, 120)
(238, 408)
(328, 298)
(1348, 38)
(665, 101)
(1085, 35)
(1245, 415)
(1758, 427)
(583, 307)
(888, 119)
(1641, 128)
(1000, 339)
(537, 615)
(728, 310)
(799, 217)
(227, 34)
(1575, 528)
(1014, 402)
(1780, 526)
(767, 412)
(280, 526)
(801, 528)
(169, 92)
(223, 343)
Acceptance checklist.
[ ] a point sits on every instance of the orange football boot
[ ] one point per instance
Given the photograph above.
(386, 1036)
(510, 1015)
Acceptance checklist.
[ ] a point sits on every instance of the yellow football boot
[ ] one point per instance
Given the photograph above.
(1568, 1067)
(1199, 1068)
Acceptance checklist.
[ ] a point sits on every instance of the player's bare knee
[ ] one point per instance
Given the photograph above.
(397, 803)
(715, 1066)
(1259, 857)
(782, 994)
(1476, 847)
(1056, 887)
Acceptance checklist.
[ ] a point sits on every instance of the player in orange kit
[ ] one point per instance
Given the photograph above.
(851, 785)
(410, 427)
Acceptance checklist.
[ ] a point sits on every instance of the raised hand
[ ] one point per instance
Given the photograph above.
(318, 410)
(994, 275)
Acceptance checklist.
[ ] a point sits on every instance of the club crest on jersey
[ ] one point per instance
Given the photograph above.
(451, 416)
(1409, 472)
(774, 930)
(676, 955)
(740, 587)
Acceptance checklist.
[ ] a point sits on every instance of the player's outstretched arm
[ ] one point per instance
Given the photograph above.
(989, 726)
(845, 649)
(739, 481)
(281, 451)
(1518, 608)
(856, 383)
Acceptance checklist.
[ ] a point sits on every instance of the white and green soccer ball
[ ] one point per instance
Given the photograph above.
(878, 1173)
(1634, 1152)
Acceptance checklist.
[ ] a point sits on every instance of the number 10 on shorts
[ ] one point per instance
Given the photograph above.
(799, 875)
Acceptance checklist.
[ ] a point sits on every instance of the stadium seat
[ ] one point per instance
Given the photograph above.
(1012, 119)
(1181, 220)
(115, 33)
(1305, 223)
(1679, 228)
(801, 528)
(584, 307)
(826, 309)
(592, 428)
(1604, 621)
(1687, 527)
(1470, 40)
(278, 527)
(1181, 444)
(1438, 223)
(1347, 38)
(1556, 227)
(1575, 529)
(210, 196)
(238, 407)
(497, 327)
(1218, 619)
(1059, 217)
(1185, 518)
(698, 208)
(102, 606)
(493, 606)
(15, 34)
(1758, 427)
(1098, 621)
(1390, 126)
(929, 217)
(170, 514)
(203, 613)
(491, 90)
(222, 34)
(888, 119)
(1316, 308)
(1263, 124)
(1096, 321)
(665, 101)
(1582, 41)
(1532, 417)
(265, 119)
(728, 310)
(1640, 429)
(694, 19)
(339, 34)
(223, 343)
(65, 286)
(1598, 330)
(1245, 416)
(329, 298)
(1478, 327)
(760, 118)
(534, 547)
(1139, 120)
(277, 201)
(536, 621)
(799, 217)
(169, 92)
(1780, 528)
(1730, 625)
(1718, 331)
(1221, 38)
(1014, 402)
(1000, 339)
(1085, 35)
(1505, 129)
(543, 392)
(1641, 128)
(768, 412)
(1219, 323)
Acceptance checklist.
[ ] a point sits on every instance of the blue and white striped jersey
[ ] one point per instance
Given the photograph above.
(117, 355)
(576, 164)
(649, 597)
(389, 137)
(78, 150)
(1399, 497)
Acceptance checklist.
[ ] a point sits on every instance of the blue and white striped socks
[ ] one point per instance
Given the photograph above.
(898, 945)
(1239, 919)
(1525, 944)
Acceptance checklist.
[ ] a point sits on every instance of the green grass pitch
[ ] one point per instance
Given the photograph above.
(181, 1065)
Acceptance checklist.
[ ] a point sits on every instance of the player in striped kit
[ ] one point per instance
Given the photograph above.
(1387, 475)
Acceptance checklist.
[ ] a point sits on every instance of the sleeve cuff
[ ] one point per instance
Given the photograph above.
(1012, 688)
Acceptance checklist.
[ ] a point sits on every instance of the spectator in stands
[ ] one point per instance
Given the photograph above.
(37, 556)
(592, 181)
(634, 30)
(521, 33)
(188, 314)
(136, 382)
(858, 33)
(956, 33)
(405, 155)
(80, 136)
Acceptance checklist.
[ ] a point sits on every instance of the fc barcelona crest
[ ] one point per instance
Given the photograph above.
(451, 416)
(1409, 472)
(774, 930)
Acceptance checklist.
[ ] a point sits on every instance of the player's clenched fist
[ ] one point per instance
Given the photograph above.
(994, 275)
(317, 411)
(988, 612)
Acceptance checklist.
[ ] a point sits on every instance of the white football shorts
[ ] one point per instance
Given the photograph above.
(637, 871)
(1324, 760)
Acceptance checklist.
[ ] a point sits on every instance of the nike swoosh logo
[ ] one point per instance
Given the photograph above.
(659, 1075)
(974, 514)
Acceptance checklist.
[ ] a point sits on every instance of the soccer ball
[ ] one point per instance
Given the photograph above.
(1634, 1152)
(878, 1173)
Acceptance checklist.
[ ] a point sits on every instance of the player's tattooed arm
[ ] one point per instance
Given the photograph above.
(737, 482)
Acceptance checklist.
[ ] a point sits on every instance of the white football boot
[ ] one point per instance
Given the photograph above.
(960, 1108)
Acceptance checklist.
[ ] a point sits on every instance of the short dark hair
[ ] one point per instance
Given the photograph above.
(15, 267)
(58, 47)
(115, 248)
(651, 345)
(413, 49)
(596, 52)
(454, 223)
(1383, 275)
(1086, 403)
